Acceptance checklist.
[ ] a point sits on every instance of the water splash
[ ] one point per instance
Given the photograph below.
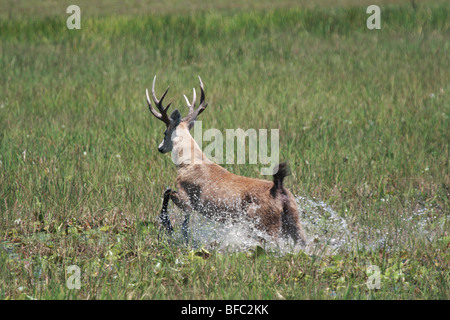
(327, 232)
(236, 236)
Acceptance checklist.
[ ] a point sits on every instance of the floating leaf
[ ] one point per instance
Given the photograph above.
(203, 253)
(199, 255)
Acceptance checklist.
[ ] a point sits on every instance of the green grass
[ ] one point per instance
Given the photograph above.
(363, 118)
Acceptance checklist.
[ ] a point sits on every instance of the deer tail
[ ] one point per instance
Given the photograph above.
(281, 171)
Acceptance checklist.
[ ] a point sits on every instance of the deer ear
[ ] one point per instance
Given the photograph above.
(175, 118)
(191, 123)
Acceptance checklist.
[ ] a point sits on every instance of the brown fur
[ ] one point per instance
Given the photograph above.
(211, 190)
(221, 195)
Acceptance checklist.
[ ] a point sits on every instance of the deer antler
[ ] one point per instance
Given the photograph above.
(193, 113)
(163, 115)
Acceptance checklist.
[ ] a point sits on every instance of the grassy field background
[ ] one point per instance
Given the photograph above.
(363, 118)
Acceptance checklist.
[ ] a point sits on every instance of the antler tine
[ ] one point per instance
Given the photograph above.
(194, 97)
(150, 107)
(163, 115)
(202, 96)
(193, 113)
(191, 104)
(202, 105)
(187, 100)
(155, 99)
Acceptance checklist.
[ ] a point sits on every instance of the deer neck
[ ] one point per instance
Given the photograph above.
(186, 150)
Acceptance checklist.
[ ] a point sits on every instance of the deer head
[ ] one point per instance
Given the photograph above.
(174, 120)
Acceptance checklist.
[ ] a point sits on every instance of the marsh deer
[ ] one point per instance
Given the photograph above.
(213, 191)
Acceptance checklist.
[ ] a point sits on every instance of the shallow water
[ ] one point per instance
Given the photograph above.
(327, 232)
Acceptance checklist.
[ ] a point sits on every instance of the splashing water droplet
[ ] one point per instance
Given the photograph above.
(327, 232)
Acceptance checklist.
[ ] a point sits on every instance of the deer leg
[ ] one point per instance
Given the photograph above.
(163, 216)
(185, 227)
(181, 200)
